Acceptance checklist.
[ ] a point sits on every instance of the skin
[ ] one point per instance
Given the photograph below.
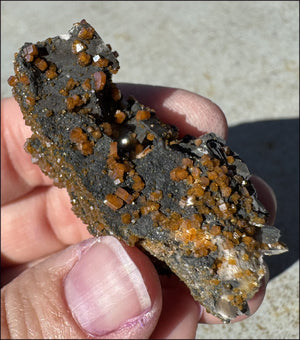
(39, 229)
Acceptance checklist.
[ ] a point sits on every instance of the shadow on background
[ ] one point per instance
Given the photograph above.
(271, 151)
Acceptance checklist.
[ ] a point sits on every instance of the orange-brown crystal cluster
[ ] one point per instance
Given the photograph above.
(209, 190)
(188, 202)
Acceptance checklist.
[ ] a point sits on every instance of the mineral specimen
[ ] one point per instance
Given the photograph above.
(189, 202)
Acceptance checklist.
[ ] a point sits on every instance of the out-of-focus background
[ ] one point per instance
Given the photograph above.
(244, 56)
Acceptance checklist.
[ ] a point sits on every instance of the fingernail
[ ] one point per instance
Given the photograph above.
(105, 289)
(201, 311)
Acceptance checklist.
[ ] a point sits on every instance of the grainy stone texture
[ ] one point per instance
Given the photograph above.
(188, 202)
(244, 57)
(277, 318)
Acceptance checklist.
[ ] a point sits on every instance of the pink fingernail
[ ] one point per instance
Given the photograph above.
(105, 289)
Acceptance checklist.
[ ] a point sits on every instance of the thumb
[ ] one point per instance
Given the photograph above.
(98, 288)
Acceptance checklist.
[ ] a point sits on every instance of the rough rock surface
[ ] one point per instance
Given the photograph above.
(189, 202)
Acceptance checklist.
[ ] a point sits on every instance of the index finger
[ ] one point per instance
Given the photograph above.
(191, 113)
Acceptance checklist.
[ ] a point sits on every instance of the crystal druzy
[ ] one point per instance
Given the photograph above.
(187, 202)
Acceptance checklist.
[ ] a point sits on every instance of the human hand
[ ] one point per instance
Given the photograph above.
(58, 282)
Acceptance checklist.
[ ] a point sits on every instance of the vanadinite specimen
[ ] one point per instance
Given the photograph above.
(187, 202)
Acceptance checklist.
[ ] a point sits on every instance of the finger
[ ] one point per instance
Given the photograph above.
(96, 288)
(180, 313)
(39, 224)
(190, 112)
(49, 229)
(18, 175)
